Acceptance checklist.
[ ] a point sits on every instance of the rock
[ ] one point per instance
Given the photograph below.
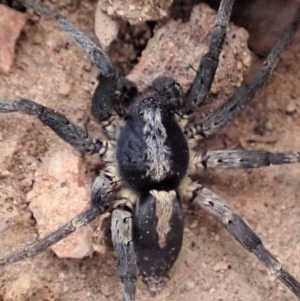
(221, 266)
(11, 25)
(106, 29)
(266, 21)
(291, 108)
(20, 289)
(137, 11)
(190, 284)
(176, 46)
(61, 192)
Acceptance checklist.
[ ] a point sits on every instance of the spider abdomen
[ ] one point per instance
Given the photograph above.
(157, 234)
(152, 152)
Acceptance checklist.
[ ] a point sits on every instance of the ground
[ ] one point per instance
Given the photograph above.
(211, 266)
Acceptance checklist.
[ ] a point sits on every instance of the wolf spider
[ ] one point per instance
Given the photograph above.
(148, 166)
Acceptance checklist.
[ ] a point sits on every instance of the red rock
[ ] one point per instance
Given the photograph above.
(137, 11)
(60, 192)
(11, 25)
(176, 46)
(106, 28)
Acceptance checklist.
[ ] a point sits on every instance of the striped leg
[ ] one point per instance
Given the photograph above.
(236, 103)
(243, 234)
(240, 159)
(210, 61)
(100, 199)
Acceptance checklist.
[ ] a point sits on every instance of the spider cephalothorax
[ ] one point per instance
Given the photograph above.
(149, 162)
(150, 144)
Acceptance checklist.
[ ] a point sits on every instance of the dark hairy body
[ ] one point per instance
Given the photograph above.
(151, 157)
(147, 151)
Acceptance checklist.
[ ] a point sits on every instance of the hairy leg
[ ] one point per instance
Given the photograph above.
(100, 199)
(115, 106)
(35, 248)
(236, 103)
(242, 159)
(243, 234)
(96, 54)
(210, 61)
(121, 230)
(111, 91)
(65, 129)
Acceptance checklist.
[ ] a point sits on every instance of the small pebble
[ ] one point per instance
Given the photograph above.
(194, 224)
(291, 108)
(221, 266)
(164, 294)
(190, 284)
(106, 290)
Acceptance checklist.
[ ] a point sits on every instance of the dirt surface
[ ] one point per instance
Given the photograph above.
(212, 267)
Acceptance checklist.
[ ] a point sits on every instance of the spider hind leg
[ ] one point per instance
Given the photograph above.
(100, 200)
(121, 229)
(240, 159)
(243, 234)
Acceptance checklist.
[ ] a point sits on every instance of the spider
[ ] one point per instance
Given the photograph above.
(149, 160)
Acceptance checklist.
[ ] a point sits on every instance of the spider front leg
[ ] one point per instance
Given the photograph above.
(237, 102)
(121, 229)
(110, 101)
(65, 129)
(242, 159)
(210, 61)
(112, 92)
(100, 200)
(242, 233)
(96, 54)
(101, 103)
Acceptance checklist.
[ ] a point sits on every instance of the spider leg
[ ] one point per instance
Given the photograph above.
(234, 224)
(121, 229)
(236, 103)
(106, 92)
(65, 129)
(242, 159)
(96, 54)
(35, 248)
(210, 61)
(101, 195)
